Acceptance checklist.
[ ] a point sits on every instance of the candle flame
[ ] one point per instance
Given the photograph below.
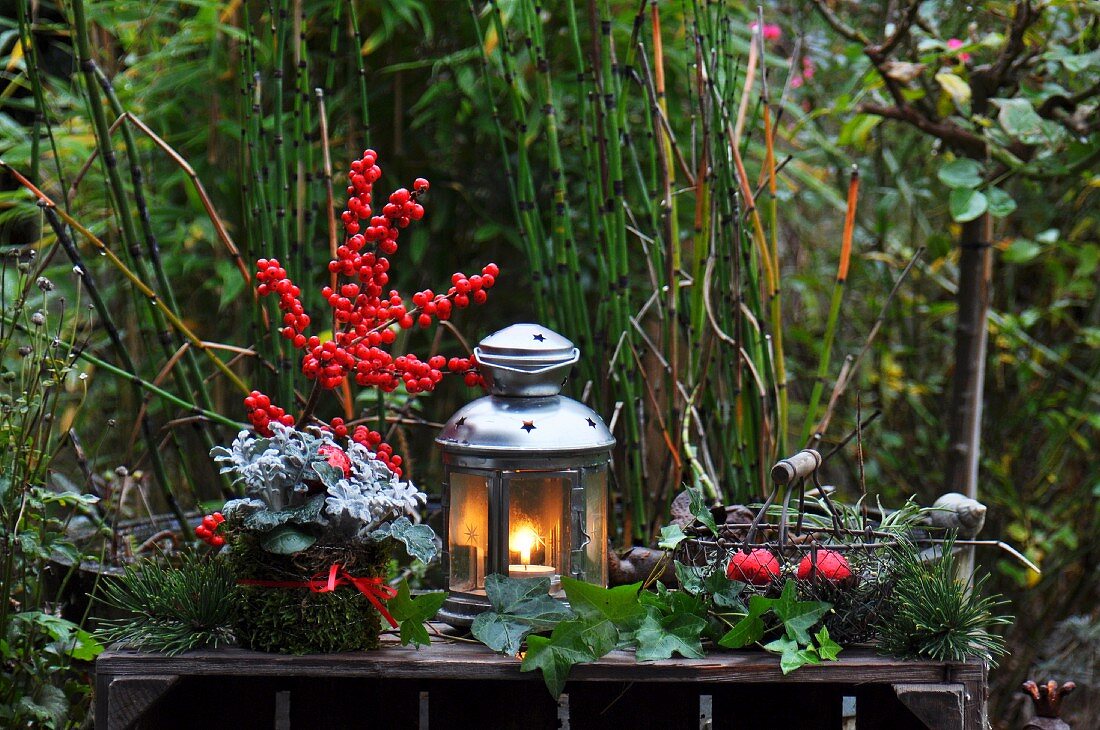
(523, 540)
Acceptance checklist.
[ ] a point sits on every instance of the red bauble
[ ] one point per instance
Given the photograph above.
(758, 567)
(828, 565)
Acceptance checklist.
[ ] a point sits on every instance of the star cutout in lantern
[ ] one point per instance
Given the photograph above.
(528, 426)
(461, 421)
(591, 422)
(471, 534)
(540, 338)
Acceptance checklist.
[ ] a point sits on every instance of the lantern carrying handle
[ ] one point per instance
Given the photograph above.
(493, 361)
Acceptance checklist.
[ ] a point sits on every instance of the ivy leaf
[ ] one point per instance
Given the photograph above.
(714, 584)
(500, 632)
(557, 654)
(750, 629)
(286, 540)
(671, 536)
(966, 204)
(659, 637)
(619, 605)
(1000, 202)
(520, 606)
(526, 598)
(412, 613)
(419, 540)
(827, 649)
(961, 173)
(700, 509)
(798, 616)
(791, 654)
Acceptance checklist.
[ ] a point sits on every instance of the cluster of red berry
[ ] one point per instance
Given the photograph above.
(272, 278)
(261, 413)
(207, 531)
(368, 313)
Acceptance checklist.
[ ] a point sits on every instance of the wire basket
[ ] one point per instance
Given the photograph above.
(860, 601)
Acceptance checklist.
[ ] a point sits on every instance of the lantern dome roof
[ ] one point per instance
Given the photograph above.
(546, 425)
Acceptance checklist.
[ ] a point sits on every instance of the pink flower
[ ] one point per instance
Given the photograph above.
(954, 44)
(807, 68)
(771, 31)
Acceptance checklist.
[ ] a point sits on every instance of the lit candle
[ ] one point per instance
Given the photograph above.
(531, 571)
(523, 541)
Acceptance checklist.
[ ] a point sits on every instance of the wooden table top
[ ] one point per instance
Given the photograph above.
(448, 658)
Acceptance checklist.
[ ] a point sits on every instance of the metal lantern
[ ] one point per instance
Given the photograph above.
(525, 474)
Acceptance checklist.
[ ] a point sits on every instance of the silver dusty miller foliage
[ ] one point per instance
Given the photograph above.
(294, 497)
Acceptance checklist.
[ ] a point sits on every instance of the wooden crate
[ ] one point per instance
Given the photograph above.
(463, 685)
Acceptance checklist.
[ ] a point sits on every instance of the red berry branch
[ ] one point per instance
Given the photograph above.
(366, 313)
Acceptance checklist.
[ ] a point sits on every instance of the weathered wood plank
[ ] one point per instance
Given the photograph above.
(464, 661)
(131, 697)
(939, 706)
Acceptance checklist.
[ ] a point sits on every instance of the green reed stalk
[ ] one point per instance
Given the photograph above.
(364, 107)
(525, 185)
(834, 310)
(130, 370)
(563, 238)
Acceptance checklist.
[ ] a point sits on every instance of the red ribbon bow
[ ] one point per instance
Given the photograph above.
(375, 589)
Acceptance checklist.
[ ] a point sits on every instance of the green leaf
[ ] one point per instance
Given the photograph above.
(526, 598)
(1075, 63)
(1000, 202)
(1020, 120)
(412, 613)
(305, 514)
(557, 654)
(501, 633)
(520, 606)
(419, 540)
(857, 130)
(961, 173)
(700, 509)
(798, 617)
(827, 649)
(619, 605)
(791, 654)
(1021, 251)
(286, 540)
(659, 637)
(750, 629)
(966, 204)
(671, 536)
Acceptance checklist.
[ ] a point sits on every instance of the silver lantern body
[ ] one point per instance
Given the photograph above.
(525, 474)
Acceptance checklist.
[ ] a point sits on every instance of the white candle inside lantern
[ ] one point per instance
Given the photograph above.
(523, 541)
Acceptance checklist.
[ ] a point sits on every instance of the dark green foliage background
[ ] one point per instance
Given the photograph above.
(178, 67)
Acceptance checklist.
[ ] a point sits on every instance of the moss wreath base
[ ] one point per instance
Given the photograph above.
(298, 620)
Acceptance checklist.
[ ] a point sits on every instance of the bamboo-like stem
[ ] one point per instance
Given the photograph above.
(361, 72)
(130, 371)
(191, 377)
(834, 308)
(851, 368)
(134, 279)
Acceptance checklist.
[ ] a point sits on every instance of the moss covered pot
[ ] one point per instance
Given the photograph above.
(298, 620)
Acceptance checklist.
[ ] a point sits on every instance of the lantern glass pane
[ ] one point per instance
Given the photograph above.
(538, 510)
(594, 482)
(468, 531)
